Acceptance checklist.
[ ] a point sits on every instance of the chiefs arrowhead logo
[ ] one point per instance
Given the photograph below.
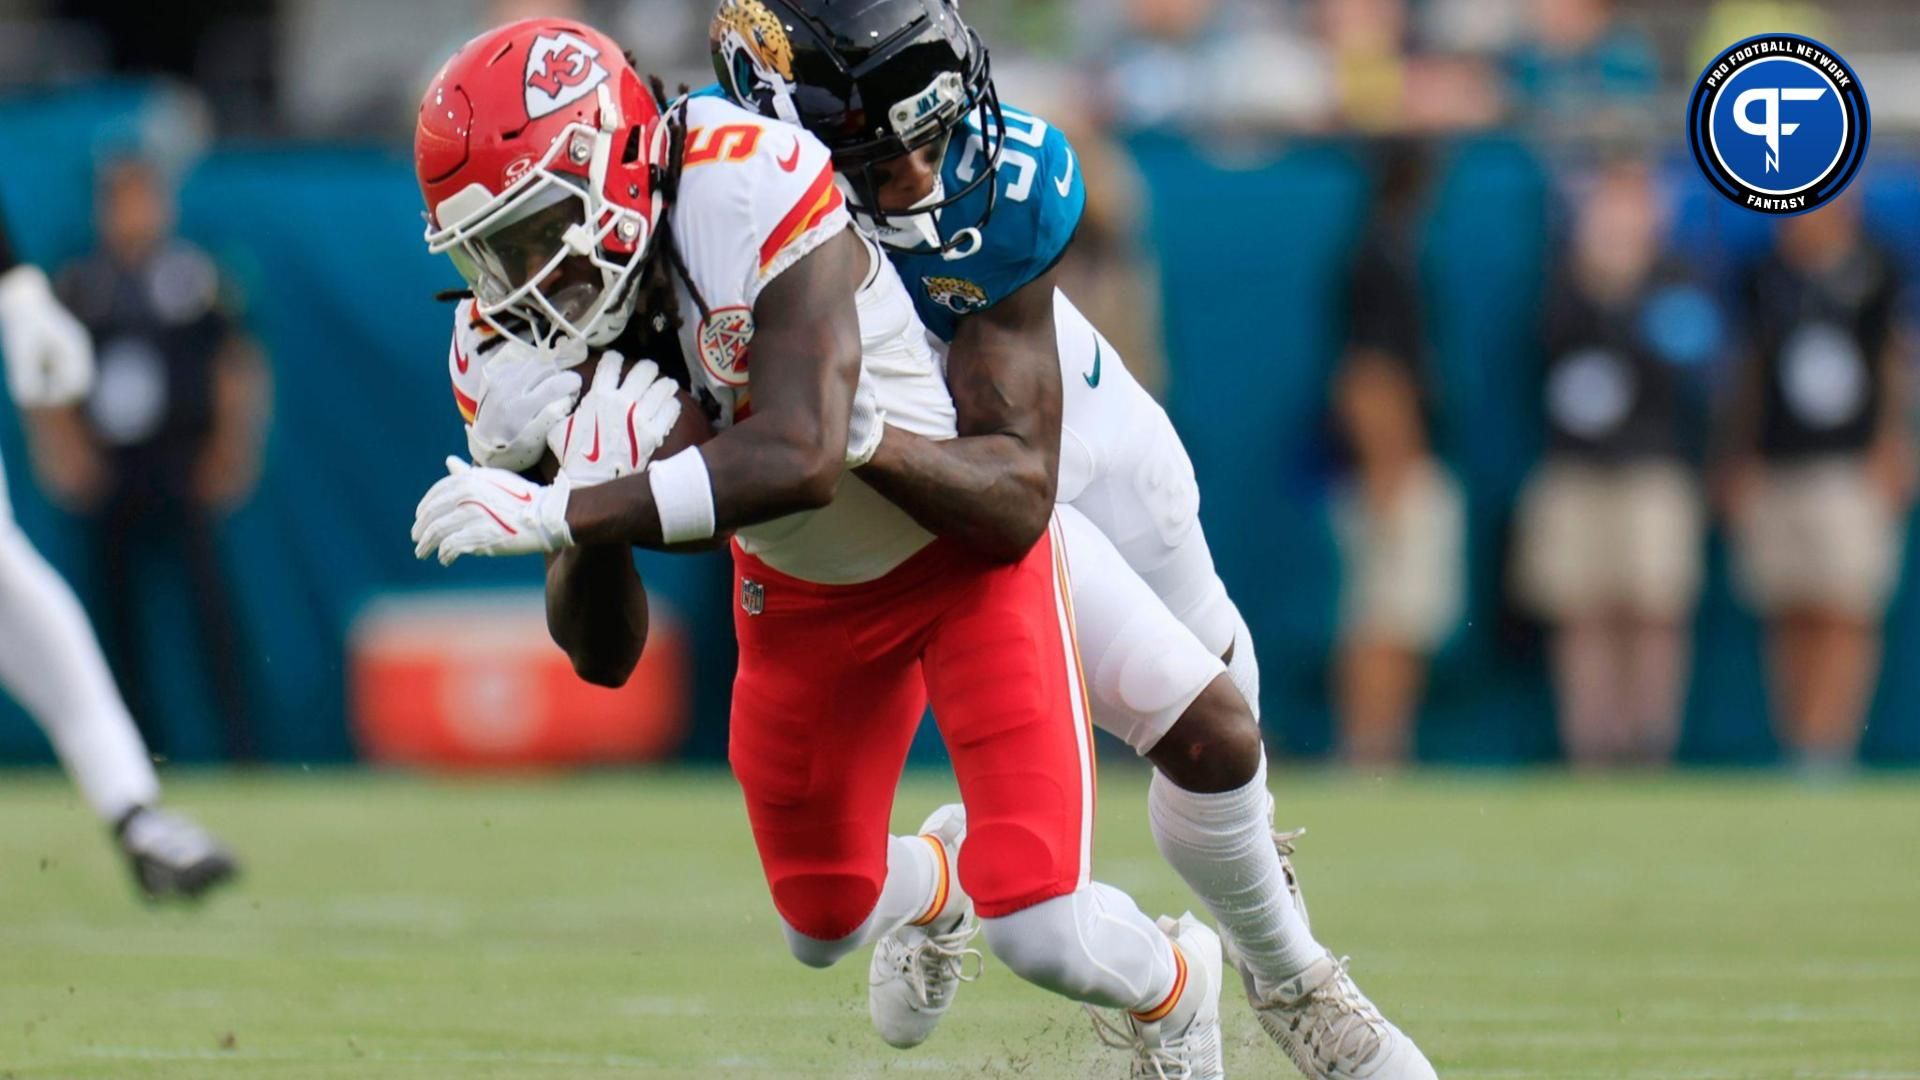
(724, 338)
(561, 69)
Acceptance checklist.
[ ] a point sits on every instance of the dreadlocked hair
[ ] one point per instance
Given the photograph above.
(657, 290)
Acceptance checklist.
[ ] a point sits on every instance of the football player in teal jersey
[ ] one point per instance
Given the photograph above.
(976, 203)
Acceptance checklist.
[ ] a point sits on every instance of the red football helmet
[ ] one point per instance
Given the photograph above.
(536, 151)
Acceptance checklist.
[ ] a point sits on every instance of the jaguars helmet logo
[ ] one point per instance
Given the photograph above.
(958, 295)
(751, 49)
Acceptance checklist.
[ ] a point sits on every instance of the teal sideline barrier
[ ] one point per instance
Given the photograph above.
(1253, 253)
(323, 244)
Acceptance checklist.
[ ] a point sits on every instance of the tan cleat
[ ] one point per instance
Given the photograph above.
(1326, 1026)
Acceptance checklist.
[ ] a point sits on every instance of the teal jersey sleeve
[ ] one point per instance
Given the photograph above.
(1039, 196)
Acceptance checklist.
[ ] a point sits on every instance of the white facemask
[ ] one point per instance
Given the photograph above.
(912, 228)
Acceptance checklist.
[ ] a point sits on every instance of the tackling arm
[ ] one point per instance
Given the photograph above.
(993, 488)
(787, 457)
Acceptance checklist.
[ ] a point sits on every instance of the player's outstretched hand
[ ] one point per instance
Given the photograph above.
(474, 511)
(620, 424)
(49, 356)
(524, 396)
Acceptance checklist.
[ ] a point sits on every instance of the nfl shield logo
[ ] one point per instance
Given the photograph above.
(753, 597)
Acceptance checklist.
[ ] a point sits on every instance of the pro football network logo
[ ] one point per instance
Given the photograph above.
(1779, 124)
(561, 69)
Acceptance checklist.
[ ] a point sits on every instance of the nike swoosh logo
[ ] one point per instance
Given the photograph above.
(1093, 380)
(497, 519)
(1065, 183)
(460, 360)
(593, 455)
(792, 161)
(512, 494)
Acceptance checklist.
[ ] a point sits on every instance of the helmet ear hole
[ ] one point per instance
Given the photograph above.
(631, 153)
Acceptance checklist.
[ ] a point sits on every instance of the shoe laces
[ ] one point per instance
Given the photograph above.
(1334, 1020)
(1158, 1059)
(1285, 842)
(936, 964)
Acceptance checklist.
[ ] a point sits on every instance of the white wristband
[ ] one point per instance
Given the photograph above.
(683, 494)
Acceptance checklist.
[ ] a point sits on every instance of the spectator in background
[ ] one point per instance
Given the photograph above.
(1366, 42)
(1219, 63)
(1820, 470)
(1401, 520)
(1384, 84)
(1582, 70)
(170, 438)
(1728, 21)
(1611, 525)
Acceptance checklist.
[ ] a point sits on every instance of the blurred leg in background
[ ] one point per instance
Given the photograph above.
(50, 663)
(135, 542)
(1820, 551)
(1403, 559)
(1609, 556)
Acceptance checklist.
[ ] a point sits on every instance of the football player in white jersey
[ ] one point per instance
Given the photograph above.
(50, 661)
(977, 203)
(558, 185)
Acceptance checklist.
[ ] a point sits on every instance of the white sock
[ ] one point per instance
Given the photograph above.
(51, 663)
(911, 893)
(1093, 945)
(1244, 668)
(1222, 845)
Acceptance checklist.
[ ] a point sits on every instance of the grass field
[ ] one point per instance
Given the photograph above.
(617, 926)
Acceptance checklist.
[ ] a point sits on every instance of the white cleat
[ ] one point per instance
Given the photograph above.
(1185, 1045)
(917, 970)
(1321, 1019)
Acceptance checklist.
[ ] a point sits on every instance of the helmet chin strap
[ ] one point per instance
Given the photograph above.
(907, 229)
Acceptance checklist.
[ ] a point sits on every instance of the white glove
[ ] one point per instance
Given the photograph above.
(524, 396)
(619, 425)
(49, 356)
(490, 512)
(866, 425)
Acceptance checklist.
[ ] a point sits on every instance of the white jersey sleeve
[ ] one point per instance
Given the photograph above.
(756, 196)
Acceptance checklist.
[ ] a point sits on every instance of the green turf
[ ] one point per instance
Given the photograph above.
(1530, 927)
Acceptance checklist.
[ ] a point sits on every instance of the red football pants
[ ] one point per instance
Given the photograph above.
(833, 681)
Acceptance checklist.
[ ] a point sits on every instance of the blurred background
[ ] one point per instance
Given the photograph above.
(1516, 442)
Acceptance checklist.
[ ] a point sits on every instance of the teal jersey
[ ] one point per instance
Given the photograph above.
(1040, 196)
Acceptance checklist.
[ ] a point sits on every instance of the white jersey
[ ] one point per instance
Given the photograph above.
(756, 197)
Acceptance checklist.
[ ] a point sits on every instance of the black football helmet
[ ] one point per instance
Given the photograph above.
(872, 79)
